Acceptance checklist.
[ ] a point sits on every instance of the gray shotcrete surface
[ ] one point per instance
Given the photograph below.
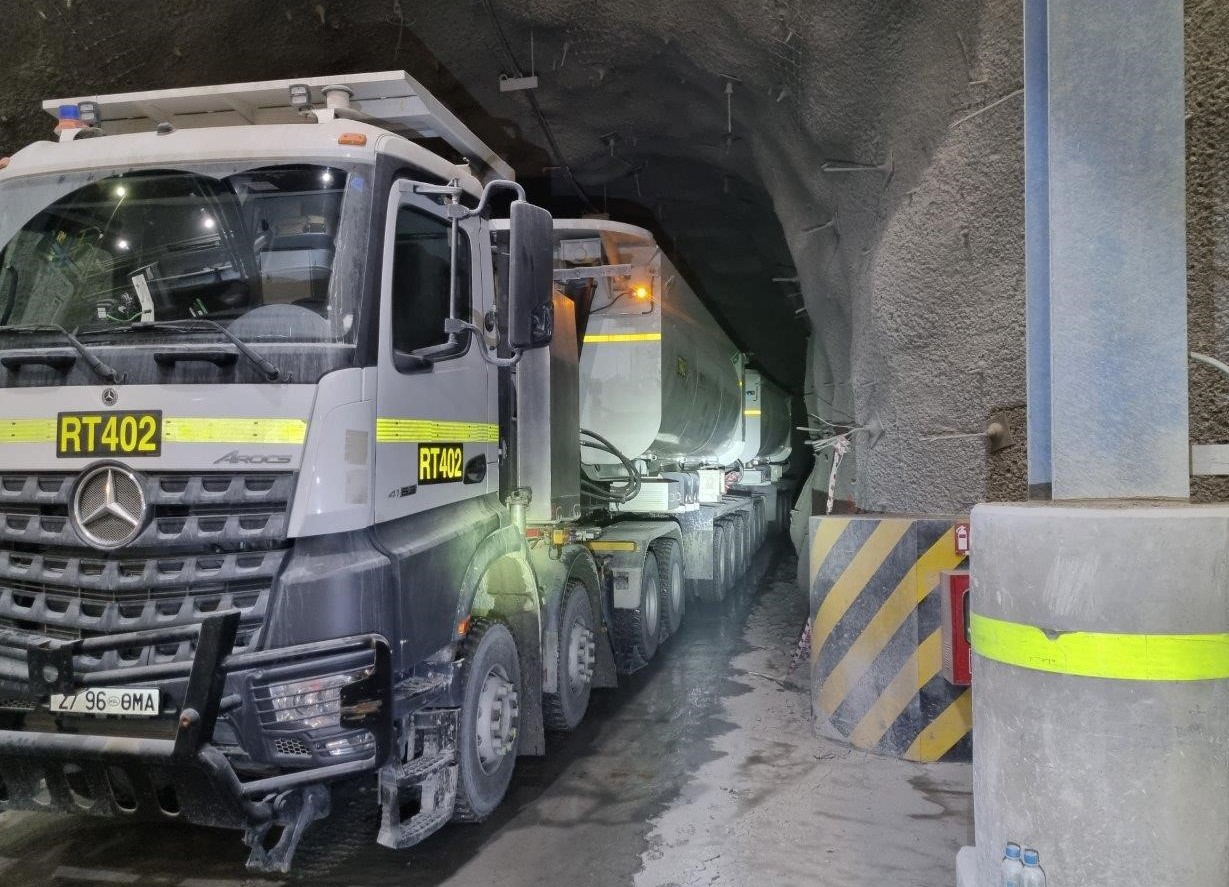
(700, 770)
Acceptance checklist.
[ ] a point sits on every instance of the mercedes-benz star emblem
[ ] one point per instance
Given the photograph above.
(109, 396)
(109, 506)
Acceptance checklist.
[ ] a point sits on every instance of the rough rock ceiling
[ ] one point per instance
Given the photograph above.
(762, 140)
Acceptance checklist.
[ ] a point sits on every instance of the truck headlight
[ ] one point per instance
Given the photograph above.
(309, 704)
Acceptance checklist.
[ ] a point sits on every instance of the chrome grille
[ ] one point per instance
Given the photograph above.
(215, 542)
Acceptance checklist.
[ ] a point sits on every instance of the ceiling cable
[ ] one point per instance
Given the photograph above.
(536, 108)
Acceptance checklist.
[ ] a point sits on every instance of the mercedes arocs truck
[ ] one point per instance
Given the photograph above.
(328, 460)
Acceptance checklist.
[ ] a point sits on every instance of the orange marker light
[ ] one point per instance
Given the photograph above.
(641, 292)
(357, 139)
(464, 625)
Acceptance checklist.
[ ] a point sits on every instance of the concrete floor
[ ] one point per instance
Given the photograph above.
(701, 770)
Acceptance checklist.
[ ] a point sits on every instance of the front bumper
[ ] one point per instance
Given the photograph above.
(183, 775)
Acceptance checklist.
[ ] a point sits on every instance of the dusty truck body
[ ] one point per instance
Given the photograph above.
(291, 489)
(664, 384)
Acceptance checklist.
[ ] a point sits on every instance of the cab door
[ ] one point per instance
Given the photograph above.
(437, 435)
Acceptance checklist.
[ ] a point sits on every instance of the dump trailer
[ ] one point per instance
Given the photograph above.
(292, 494)
(767, 448)
(663, 386)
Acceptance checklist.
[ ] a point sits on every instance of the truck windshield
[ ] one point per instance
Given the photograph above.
(261, 249)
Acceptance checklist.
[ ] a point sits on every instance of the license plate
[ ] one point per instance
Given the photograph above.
(125, 702)
(120, 433)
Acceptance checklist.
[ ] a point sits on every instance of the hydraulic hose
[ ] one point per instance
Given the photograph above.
(631, 484)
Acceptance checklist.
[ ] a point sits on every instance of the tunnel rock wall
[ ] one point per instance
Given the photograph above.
(841, 181)
(1207, 220)
(938, 322)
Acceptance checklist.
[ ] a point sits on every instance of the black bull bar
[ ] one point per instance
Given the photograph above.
(35, 766)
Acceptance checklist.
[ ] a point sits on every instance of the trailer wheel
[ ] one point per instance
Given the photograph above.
(638, 629)
(717, 588)
(577, 656)
(744, 542)
(670, 582)
(731, 558)
(489, 735)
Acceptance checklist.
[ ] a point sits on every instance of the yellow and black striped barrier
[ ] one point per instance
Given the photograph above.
(876, 648)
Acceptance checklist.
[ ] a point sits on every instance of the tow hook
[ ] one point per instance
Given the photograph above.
(294, 810)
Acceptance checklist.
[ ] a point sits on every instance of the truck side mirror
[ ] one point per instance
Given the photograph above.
(531, 255)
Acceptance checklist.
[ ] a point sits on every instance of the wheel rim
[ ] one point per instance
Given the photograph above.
(582, 655)
(676, 587)
(649, 609)
(498, 718)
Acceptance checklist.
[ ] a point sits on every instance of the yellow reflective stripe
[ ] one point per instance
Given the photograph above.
(610, 545)
(751, 412)
(1128, 657)
(230, 430)
(27, 430)
(597, 338)
(178, 430)
(390, 430)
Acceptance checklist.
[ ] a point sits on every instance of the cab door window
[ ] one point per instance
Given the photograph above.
(421, 294)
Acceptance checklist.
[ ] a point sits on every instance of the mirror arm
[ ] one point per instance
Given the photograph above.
(484, 204)
(455, 326)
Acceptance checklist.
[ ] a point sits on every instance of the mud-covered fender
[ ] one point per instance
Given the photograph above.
(555, 568)
(504, 542)
(500, 584)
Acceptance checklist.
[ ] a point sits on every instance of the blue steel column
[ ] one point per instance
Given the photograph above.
(1105, 248)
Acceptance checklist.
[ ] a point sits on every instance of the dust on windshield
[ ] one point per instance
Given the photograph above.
(254, 250)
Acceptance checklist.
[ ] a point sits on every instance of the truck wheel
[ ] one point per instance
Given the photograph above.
(639, 629)
(577, 655)
(717, 589)
(490, 714)
(670, 583)
(744, 542)
(731, 555)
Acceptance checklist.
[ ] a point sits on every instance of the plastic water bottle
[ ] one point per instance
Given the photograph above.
(1034, 874)
(1011, 867)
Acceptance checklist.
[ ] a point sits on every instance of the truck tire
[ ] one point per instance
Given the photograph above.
(717, 589)
(577, 655)
(637, 630)
(744, 542)
(488, 736)
(671, 585)
(731, 559)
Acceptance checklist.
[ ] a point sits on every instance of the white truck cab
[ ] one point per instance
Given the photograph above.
(291, 488)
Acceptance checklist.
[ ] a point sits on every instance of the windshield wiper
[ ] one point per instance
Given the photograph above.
(271, 370)
(105, 370)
